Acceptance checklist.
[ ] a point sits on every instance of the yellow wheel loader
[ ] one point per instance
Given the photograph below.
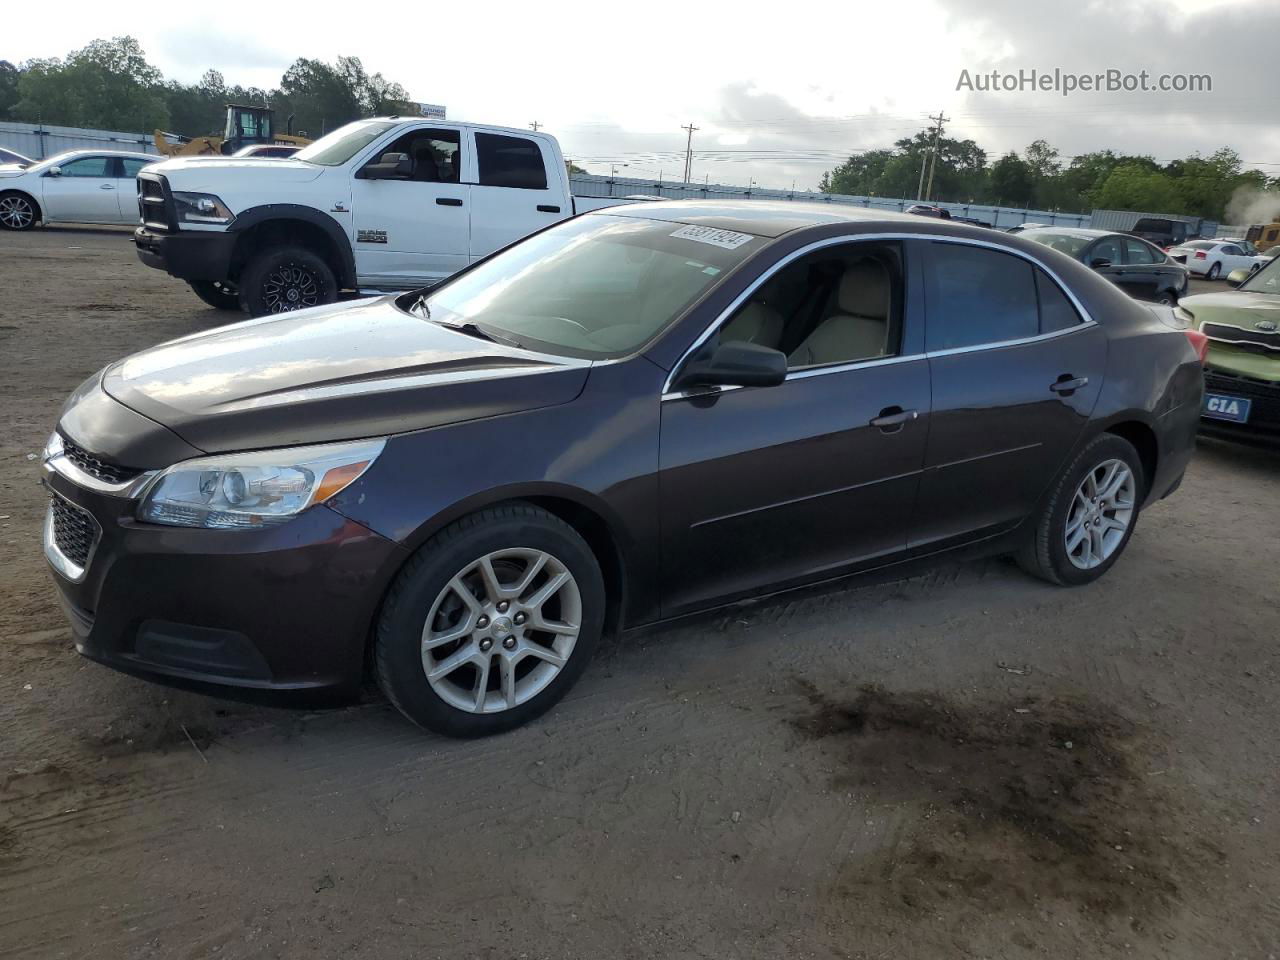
(245, 125)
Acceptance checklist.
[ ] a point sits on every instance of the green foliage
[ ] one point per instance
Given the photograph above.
(1132, 187)
(110, 85)
(1012, 181)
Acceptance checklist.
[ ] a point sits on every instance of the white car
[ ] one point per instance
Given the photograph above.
(1211, 258)
(79, 186)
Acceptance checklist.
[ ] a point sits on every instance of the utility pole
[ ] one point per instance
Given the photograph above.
(688, 152)
(933, 163)
(534, 126)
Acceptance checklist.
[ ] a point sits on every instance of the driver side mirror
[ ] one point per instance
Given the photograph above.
(53, 172)
(391, 166)
(1099, 262)
(1238, 276)
(734, 364)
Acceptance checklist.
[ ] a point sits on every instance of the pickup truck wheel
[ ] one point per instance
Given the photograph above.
(490, 622)
(17, 211)
(215, 294)
(284, 279)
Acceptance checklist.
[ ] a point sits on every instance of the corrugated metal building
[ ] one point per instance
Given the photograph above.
(39, 141)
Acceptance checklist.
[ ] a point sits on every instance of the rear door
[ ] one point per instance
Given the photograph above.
(1141, 273)
(126, 171)
(413, 231)
(83, 192)
(513, 195)
(1016, 369)
(1233, 258)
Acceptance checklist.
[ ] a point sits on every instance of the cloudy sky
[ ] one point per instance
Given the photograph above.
(780, 92)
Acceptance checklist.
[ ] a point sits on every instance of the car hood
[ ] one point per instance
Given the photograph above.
(209, 174)
(333, 373)
(12, 170)
(1239, 308)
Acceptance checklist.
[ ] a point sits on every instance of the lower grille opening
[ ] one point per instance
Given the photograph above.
(74, 530)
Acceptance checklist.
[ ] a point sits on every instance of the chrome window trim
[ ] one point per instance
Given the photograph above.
(1086, 319)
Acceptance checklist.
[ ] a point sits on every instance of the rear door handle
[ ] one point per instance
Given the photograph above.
(548, 208)
(892, 419)
(1067, 385)
(449, 201)
(106, 186)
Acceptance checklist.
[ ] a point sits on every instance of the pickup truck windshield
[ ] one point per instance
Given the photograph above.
(595, 286)
(337, 148)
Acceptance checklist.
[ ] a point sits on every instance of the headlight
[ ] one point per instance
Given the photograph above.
(251, 490)
(201, 208)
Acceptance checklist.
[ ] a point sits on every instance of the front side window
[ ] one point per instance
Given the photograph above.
(510, 162)
(977, 296)
(85, 167)
(335, 149)
(841, 304)
(435, 155)
(595, 286)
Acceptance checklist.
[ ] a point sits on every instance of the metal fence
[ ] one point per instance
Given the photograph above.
(590, 185)
(38, 141)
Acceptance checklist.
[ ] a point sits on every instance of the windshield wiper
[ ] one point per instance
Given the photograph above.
(475, 330)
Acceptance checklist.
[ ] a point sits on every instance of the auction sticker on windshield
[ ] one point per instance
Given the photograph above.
(717, 238)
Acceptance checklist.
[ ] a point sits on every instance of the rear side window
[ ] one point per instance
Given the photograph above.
(510, 162)
(1139, 252)
(1056, 311)
(977, 296)
(129, 166)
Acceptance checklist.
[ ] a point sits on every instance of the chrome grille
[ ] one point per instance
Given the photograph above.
(96, 468)
(74, 530)
(152, 207)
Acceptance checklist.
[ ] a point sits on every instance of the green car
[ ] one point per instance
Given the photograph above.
(1242, 365)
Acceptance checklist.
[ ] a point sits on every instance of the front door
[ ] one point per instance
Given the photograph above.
(764, 487)
(83, 192)
(1016, 371)
(413, 231)
(513, 195)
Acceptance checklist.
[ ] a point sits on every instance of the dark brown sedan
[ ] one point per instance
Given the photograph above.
(632, 416)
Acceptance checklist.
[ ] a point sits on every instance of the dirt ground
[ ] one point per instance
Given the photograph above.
(967, 763)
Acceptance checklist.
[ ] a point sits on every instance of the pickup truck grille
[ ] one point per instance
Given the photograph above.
(153, 202)
(1256, 341)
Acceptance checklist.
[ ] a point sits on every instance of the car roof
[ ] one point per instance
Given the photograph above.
(773, 218)
(105, 153)
(1086, 233)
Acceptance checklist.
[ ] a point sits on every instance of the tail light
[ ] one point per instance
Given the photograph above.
(1199, 343)
(1200, 255)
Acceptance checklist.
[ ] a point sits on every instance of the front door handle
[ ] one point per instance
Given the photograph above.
(106, 186)
(1067, 384)
(449, 201)
(548, 208)
(892, 419)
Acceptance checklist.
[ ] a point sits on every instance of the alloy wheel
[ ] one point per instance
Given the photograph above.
(290, 288)
(501, 630)
(16, 213)
(1100, 514)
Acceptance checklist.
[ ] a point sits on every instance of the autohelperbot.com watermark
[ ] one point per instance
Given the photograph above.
(1066, 82)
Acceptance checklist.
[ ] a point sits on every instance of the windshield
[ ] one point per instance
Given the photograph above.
(1062, 242)
(1266, 280)
(338, 147)
(595, 286)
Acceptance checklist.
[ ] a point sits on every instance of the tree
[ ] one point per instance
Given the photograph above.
(1132, 186)
(108, 84)
(8, 88)
(1012, 180)
(857, 176)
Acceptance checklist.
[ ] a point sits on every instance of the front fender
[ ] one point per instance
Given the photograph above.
(284, 212)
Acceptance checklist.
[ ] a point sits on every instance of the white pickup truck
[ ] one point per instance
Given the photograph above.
(378, 205)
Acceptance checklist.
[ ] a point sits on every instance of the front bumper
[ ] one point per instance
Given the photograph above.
(1264, 405)
(281, 613)
(186, 254)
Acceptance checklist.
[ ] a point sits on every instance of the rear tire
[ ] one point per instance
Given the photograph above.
(284, 279)
(1069, 510)
(443, 610)
(1214, 272)
(18, 211)
(215, 294)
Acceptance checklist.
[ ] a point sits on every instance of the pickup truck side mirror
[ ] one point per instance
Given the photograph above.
(734, 364)
(54, 171)
(390, 166)
(1099, 262)
(1239, 276)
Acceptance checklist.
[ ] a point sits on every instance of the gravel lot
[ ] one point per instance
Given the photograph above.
(967, 763)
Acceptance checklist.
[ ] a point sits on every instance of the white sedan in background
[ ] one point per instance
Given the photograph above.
(1211, 259)
(79, 186)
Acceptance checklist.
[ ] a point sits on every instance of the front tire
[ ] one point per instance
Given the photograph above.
(1089, 516)
(18, 211)
(490, 623)
(215, 294)
(284, 279)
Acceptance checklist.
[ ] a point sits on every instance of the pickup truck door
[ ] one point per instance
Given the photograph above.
(414, 230)
(515, 192)
(83, 192)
